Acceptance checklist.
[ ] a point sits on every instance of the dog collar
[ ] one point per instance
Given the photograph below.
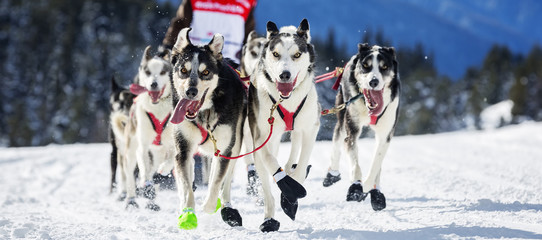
(287, 116)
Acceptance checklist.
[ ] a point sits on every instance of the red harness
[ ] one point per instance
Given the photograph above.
(158, 127)
(287, 116)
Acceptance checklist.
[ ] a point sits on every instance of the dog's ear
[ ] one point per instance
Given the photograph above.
(216, 44)
(147, 54)
(363, 47)
(272, 29)
(252, 35)
(166, 55)
(303, 30)
(390, 51)
(115, 86)
(182, 40)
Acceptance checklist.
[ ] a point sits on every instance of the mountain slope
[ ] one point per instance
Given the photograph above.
(458, 33)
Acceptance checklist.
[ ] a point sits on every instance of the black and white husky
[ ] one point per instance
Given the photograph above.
(370, 88)
(147, 134)
(120, 101)
(284, 73)
(210, 101)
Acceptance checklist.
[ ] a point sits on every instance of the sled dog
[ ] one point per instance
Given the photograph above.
(210, 103)
(284, 78)
(370, 84)
(120, 101)
(250, 56)
(148, 134)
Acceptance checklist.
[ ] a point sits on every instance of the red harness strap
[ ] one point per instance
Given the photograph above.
(287, 116)
(158, 127)
(204, 134)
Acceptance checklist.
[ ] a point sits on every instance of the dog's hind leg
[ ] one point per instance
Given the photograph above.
(129, 167)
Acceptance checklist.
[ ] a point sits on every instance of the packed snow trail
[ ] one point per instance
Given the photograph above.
(460, 185)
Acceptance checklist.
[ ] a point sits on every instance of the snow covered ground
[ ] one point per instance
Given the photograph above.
(461, 185)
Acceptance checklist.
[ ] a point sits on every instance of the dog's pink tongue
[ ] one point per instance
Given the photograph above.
(180, 111)
(285, 88)
(377, 99)
(155, 96)
(137, 89)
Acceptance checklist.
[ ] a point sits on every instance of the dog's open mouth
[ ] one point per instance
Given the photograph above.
(155, 95)
(187, 108)
(373, 101)
(285, 88)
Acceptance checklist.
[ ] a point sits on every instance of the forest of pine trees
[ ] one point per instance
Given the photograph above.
(58, 57)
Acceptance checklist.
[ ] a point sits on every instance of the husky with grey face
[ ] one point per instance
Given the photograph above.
(147, 134)
(210, 103)
(284, 78)
(371, 87)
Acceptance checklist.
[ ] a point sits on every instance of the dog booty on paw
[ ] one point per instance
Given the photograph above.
(231, 216)
(288, 185)
(378, 201)
(289, 206)
(270, 225)
(331, 179)
(355, 193)
(188, 219)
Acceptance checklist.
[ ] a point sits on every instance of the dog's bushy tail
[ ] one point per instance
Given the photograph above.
(118, 124)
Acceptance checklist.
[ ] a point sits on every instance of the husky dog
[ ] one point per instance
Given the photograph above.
(210, 104)
(372, 76)
(250, 56)
(120, 101)
(284, 73)
(148, 136)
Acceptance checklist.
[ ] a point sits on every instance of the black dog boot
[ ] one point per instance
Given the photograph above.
(378, 201)
(252, 187)
(270, 225)
(355, 192)
(151, 205)
(149, 192)
(231, 216)
(121, 197)
(131, 203)
(288, 185)
(289, 205)
(331, 179)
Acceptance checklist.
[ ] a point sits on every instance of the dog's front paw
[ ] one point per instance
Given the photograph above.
(289, 205)
(211, 207)
(149, 192)
(188, 219)
(288, 185)
(152, 206)
(122, 197)
(131, 203)
(231, 216)
(355, 193)
(270, 225)
(378, 201)
(331, 179)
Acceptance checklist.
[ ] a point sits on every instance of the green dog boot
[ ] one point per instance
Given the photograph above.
(218, 204)
(188, 220)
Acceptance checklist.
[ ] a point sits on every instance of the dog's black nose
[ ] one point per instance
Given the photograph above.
(285, 76)
(191, 92)
(154, 84)
(373, 83)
